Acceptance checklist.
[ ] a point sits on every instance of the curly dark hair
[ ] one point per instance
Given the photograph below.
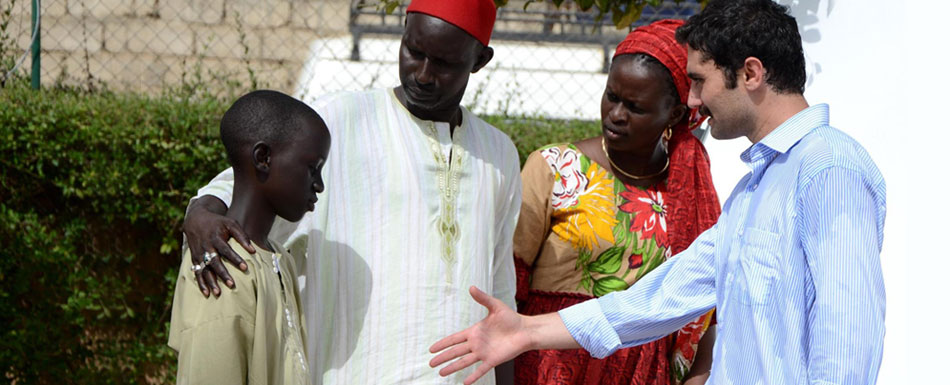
(729, 31)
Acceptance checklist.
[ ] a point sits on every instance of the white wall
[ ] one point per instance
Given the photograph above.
(920, 147)
(880, 66)
(530, 79)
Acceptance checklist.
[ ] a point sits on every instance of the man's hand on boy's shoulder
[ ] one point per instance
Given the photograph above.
(208, 231)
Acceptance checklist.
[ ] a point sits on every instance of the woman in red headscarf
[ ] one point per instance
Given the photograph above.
(599, 214)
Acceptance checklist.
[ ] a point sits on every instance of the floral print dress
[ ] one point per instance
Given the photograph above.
(582, 234)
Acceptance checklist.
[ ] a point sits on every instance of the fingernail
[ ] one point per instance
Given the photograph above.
(230, 283)
(243, 266)
(205, 292)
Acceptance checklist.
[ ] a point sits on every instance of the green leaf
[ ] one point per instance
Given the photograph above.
(619, 187)
(585, 164)
(632, 14)
(642, 250)
(391, 6)
(647, 252)
(622, 235)
(652, 257)
(609, 284)
(608, 262)
(583, 256)
(657, 258)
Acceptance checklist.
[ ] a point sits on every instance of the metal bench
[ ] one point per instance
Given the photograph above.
(538, 23)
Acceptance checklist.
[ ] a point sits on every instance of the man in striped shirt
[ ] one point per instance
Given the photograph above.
(793, 264)
(421, 202)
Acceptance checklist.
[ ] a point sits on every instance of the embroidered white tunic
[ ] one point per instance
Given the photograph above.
(380, 286)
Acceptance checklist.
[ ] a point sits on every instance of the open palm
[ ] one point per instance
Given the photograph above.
(496, 339)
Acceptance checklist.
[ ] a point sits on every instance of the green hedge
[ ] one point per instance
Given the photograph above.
(93, 189)
(94, 185)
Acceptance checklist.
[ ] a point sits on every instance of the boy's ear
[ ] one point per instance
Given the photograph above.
(261, 156)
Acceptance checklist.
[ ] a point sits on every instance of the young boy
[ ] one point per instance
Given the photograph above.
(252, 334)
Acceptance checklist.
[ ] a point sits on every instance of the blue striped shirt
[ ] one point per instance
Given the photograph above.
(793, 267)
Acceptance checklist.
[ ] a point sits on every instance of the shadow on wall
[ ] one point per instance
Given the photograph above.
(808, 14)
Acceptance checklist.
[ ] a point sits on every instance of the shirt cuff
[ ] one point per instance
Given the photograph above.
(589, 327)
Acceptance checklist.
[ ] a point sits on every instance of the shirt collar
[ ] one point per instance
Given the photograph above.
(783, 137)
(795, 128)
(466, 114)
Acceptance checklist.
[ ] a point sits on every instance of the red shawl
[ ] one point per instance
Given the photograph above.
(691, 198)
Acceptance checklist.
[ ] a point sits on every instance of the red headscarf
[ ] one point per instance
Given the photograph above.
(692, 204)
(477, 17)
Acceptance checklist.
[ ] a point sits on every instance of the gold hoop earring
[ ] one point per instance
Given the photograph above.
(668, 134)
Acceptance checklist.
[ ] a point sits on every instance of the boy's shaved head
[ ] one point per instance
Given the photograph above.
(265, 116)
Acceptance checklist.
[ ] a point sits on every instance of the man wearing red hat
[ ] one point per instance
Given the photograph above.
(421, 202)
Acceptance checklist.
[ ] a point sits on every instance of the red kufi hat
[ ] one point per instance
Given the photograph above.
(477, 17)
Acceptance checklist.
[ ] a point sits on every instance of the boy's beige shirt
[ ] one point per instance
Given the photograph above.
(251, 334)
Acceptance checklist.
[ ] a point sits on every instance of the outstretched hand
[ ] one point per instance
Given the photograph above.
(498, 338)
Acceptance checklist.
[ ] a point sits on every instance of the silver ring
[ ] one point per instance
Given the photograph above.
(208, 256)
(198, 267)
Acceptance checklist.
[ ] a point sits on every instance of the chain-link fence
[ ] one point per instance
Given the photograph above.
(548, 61)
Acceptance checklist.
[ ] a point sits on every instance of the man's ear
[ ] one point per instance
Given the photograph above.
(261, 155)
(483, 58)
(752, 74)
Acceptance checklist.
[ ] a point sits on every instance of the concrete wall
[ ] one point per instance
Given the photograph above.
(145, 44)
